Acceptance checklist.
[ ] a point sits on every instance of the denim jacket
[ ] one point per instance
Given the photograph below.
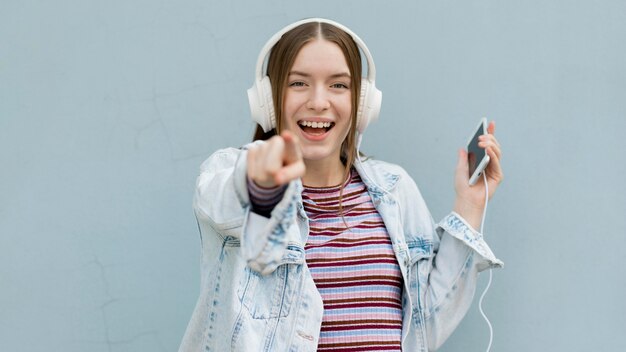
(257, 293)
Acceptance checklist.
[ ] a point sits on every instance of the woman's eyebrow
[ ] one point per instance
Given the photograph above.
(304, 74)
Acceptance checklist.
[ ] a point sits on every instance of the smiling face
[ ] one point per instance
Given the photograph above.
(317, 102)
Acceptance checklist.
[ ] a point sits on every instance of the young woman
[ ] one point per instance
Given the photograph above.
(306, 247)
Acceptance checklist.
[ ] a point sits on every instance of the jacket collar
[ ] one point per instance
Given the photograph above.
(376, 175)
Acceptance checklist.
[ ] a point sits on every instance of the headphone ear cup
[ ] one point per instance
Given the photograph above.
(262, 104)
(361, 115)
(370, 100)
(270, 116)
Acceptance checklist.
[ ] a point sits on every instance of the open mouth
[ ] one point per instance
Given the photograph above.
(315, 128)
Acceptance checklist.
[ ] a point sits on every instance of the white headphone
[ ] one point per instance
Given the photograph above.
(260, 94)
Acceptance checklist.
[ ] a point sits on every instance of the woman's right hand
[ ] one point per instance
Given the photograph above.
(276, 162)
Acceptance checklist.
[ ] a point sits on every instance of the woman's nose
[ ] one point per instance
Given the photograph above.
(318, 100)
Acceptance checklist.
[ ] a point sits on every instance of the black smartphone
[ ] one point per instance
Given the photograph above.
(477, 156)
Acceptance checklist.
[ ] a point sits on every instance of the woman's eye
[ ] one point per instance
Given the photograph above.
(340, 85)
(296, 84)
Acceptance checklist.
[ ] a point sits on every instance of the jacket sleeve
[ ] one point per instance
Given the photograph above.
(220, 196)
(222, 200)
(447, 267)
(461, 255)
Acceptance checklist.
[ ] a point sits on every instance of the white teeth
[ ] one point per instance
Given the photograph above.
(315, 124)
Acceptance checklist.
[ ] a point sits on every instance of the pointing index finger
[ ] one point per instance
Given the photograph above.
(293, 153)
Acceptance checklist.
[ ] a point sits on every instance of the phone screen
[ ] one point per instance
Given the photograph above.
(475, 153)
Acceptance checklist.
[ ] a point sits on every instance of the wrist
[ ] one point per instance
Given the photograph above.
(269, 184)
(471, 213)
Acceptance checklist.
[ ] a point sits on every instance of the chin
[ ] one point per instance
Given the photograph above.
(317, 153)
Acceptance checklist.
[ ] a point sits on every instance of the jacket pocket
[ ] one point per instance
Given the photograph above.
(271, 296)
(420, 259)
(419, 249)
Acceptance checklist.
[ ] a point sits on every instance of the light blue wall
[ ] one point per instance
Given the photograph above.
(107, 108)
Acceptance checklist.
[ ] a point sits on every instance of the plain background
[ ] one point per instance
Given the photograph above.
(108, 108)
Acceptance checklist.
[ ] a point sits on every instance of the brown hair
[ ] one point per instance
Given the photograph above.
(281, 60)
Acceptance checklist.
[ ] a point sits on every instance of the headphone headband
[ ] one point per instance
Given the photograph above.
(371, 68)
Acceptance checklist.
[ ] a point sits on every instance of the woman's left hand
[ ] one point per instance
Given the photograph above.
(470, 200)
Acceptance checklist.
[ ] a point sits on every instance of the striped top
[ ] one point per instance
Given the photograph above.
(354, 268)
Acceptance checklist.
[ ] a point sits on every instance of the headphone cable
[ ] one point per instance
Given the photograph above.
(480, 302)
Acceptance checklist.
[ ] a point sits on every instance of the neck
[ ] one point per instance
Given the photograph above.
(323, 173)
